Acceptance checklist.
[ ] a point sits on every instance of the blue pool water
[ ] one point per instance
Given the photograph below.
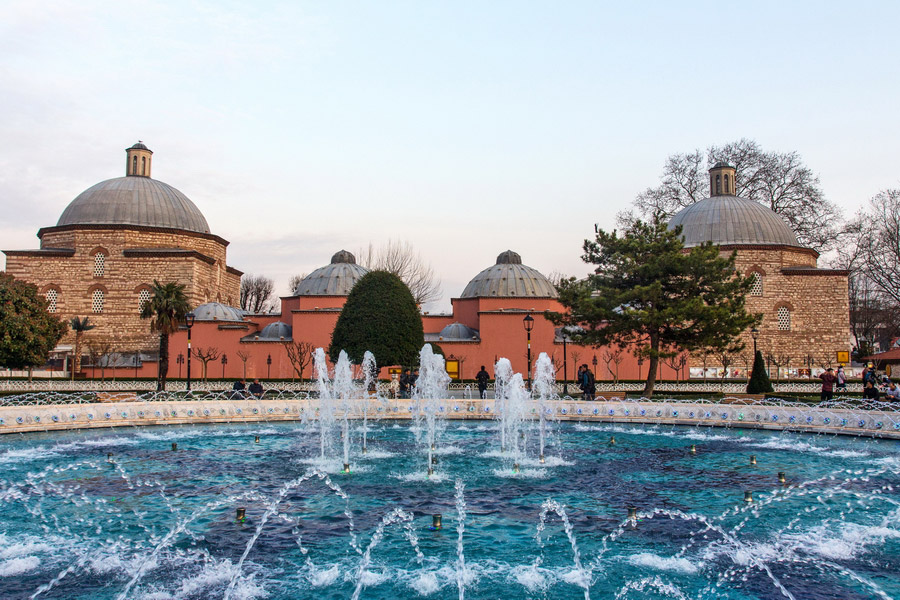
(157, 524)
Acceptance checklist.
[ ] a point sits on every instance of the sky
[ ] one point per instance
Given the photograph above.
(464, 128)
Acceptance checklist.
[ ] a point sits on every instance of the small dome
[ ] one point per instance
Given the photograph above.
(725, 220)
(458, 331)
(335, 279)
(140, 146)
(510, 278)
(216, 311)
(276, 331)
(134, 201)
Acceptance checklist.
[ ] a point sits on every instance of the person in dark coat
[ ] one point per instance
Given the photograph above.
(870, 391)
(404, 384)
(256, 389)
(239, 389)
(482, 378)
(588, 384)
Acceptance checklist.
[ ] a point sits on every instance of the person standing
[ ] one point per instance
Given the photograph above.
(828, 378)
(589, 384)
(404, 384)
(841, 379)
(482, 378)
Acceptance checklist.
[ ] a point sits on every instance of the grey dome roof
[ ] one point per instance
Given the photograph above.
(276, 331)
(335, 279)
(458, 331)
(134, 201)
(509, 278)
(216, 311)
(725, 220)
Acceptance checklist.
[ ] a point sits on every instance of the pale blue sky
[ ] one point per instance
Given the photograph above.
(465, 128)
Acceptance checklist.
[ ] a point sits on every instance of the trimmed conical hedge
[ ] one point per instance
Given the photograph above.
(759, 380)
(380, 316)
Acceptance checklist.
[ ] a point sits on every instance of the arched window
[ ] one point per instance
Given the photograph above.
(756, 287)
(143, 299)
(52, 296)
(784, 318)
(134, 165)
(143, 165)
(727, 190)
(99, 264)
(718, 184)
(97, 301)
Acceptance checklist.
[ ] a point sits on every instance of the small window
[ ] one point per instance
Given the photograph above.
(97, 301)
(756, 287)
(52, 297)
(134, 165)
(143, 165)
(784, 319)
(143, 299)
(718, 184)
(99, 264)
(727, 189)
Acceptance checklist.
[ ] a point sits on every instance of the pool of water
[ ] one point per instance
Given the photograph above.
(151, 523)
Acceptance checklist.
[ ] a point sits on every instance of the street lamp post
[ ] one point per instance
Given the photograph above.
(594, 362)
(224, 362)
(269, 367)
(565, 365)
(754, 333)
(179, 360)
(528, 321)
(135, 365)
(640, 364)
(189, 322)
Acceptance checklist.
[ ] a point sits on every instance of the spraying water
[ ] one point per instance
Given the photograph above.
(326, 402)
(343, 393)
(431, 387)
(502, 374)
(544, 379)
(370, 372)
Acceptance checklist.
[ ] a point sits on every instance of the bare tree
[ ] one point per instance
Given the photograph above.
(746, 357)
(726, 359)
(677, 364)
(294, 281)
(244, 356)
(401, 259)
(257, 294)
(615, 357)
(778, 180)
(207, 355)
(300, 354)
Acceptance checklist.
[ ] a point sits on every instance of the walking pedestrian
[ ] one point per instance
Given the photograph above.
(482, 378)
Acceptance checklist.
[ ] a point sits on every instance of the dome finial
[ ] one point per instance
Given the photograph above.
(138, 162)
(721, 180)
(509, 258)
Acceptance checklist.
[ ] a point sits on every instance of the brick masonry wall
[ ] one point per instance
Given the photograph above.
(120, 324)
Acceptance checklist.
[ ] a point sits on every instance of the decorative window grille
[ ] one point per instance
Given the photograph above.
(99, 264)
(97, 301)
(756, 288)
(143, 299)
(52, 297)
(784, 319)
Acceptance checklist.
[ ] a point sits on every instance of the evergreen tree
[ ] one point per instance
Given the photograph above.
(27, 331)
(759, 380)
(654, 296)
(79, 327)
(166, 310)
(380, 315)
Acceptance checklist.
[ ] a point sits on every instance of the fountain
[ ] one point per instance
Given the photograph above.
(369, 390)
(670, 511)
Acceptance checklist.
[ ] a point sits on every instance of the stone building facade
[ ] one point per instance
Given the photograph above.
(112, 242)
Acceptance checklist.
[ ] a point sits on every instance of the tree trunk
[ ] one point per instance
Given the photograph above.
(163, 362)
(76, 363)
(653, 367)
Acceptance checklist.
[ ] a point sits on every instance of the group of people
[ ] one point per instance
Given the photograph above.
(832, 381)
(585, 380)
(402, 387)
(241, 390)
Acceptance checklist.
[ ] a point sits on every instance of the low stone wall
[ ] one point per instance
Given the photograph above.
(50, 417)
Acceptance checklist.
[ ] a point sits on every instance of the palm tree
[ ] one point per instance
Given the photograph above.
(166, 308)
(79, 326)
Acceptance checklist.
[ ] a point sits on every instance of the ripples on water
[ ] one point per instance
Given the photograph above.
(156, 524)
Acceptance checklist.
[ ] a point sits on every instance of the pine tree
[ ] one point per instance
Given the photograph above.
(759, 380)
(650, 294)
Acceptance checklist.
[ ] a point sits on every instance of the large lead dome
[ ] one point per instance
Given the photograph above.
(134, 200)
(509, 278)
(725, 219)
(335, 279)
